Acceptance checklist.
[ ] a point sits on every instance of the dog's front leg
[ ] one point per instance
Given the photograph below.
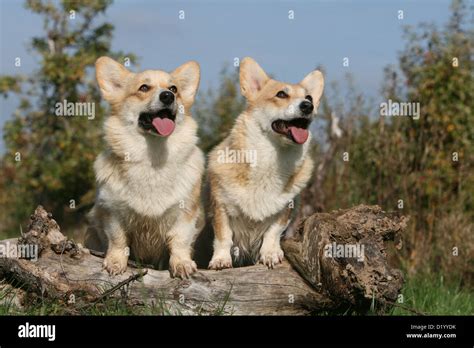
(270, 251)
(116, 259)
(180, 243)
(222, 239)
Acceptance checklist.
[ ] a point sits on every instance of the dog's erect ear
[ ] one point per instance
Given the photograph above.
(187, 78)
(111, 77)
(314, 84)
(252, 78)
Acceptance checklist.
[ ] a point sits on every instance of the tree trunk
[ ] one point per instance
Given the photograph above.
(314, 278)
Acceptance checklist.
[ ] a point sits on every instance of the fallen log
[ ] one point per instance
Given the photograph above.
(314, 278)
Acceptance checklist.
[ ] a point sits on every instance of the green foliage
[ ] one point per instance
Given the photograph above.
(9, 84)
(414, 160)
(56, 151)
(432, 294)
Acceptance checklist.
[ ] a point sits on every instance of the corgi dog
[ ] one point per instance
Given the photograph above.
(252, 189)
(148, 203)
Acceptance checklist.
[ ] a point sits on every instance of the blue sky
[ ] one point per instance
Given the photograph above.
(215, 32)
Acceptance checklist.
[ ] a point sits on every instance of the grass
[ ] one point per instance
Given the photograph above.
(431, 294)
(109, 307)
(112, 306)
(426, 293)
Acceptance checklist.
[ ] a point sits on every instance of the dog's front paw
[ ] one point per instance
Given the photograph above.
(271, 256)
(182, 268)
(220, 262)
(115, 262)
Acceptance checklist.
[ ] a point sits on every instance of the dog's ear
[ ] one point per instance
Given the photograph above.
(187, 78)
(252, 78)
(314, 84)
(111, 77)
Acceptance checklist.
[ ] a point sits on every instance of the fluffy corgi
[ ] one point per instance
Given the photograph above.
(148, 201)
(256, 172)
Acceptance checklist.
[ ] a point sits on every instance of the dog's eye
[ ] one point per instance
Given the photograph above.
(310, 98)
(282, 94)
(144, 88)
(173, 89)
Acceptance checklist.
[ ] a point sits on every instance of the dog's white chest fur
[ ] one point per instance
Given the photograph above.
(266, 191)
(156, 178)
(146, 190)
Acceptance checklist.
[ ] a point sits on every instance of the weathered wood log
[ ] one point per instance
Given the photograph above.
(320, 251)
(316, 278)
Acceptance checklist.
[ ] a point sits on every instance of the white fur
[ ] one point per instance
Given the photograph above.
(160, 173)
(147, 203)
(264, 196)
(252, 209)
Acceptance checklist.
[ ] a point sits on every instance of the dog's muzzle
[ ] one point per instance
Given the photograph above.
(295, 129)
(160, 122)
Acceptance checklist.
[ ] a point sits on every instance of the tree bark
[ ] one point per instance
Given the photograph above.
(310, 280)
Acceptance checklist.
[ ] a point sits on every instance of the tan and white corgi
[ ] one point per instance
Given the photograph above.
(149, 177)
(256, 172)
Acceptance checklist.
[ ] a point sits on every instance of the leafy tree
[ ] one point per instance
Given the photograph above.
(427, 163)
(48, 158)
(422, 167)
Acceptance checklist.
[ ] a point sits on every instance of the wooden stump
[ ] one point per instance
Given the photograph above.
(314, 278)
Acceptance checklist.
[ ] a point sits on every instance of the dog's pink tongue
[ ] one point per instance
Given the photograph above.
(164, 126)
(299, 134)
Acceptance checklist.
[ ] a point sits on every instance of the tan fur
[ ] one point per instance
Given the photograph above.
(252, 205)
(148, 202)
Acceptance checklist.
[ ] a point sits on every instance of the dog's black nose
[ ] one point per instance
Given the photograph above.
(306, 107)
(166, 97)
